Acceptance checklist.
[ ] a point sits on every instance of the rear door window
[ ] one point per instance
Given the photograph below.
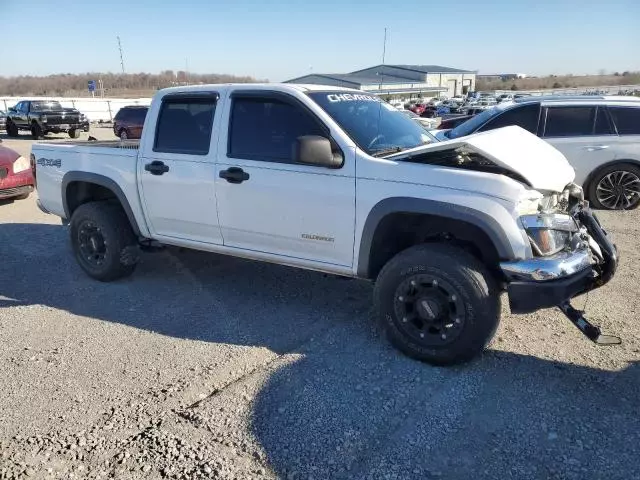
(570, 121)
(525, 116)
(627, 119)
(184, 125)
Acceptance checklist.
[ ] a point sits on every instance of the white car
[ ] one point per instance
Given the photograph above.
(600, 136)
(338, 181)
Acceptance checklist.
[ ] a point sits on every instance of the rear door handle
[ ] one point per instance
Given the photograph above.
(593, 148)
(156, 167)
(234, 175)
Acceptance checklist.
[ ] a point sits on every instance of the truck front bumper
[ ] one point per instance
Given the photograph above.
(63, 127)
(544, 282)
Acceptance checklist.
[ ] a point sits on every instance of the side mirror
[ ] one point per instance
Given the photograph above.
(12, 110)
(316, 150)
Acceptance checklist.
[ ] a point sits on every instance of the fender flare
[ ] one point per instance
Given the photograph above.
(106, 182)
(391, 205)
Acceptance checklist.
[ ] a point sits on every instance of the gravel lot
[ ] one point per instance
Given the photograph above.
(203, 366)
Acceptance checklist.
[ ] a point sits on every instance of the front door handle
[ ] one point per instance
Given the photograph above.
(234, 175)
(594, 148)
(156, 167)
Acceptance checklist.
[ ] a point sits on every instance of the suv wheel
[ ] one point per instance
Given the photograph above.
(103, 241)
(438, 304)
(616, 187)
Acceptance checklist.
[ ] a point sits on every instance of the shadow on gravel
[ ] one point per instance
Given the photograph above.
(356, 413)
(351, 406)
(183, 294)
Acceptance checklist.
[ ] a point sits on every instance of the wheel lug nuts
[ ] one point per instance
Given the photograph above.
(443, 336)
(457, 321)
(401, 298)
(413, 283)
(422, 335)
(453, 298)
(404, 319)
(434, 283)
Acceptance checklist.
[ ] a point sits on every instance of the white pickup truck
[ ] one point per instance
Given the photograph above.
(335, 180)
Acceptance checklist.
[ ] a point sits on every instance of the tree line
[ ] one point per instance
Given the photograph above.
(67, 84)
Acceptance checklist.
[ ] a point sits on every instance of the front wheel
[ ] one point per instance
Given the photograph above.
(103, 241)
(616, 187)
(74, 133)
(438, 304)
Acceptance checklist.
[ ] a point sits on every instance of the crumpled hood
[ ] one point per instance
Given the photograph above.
(514, 148)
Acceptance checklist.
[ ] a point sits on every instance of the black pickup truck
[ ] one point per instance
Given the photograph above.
(41, 117)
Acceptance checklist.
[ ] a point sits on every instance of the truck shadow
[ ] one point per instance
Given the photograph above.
(350, 406)
(507, 414)
(188, 294)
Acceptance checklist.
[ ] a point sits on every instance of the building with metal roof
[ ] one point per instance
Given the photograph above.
(399, 81)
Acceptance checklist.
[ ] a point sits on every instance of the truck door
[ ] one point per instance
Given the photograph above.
(269, 203)
(176, 169)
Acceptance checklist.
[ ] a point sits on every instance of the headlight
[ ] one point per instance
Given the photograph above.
(43, 118)
(549, 233)
(20, 165)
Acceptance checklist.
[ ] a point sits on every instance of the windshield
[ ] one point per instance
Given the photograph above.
(375, 126)
(471, 125)
(45, 106)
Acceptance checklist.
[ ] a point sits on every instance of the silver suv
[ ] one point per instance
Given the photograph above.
(599, 135)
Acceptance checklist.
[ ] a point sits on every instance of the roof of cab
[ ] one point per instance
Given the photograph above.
(282, 87)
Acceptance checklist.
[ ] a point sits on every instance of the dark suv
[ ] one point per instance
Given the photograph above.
(129, 120)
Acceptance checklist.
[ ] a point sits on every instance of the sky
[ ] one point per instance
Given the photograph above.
(282, 39)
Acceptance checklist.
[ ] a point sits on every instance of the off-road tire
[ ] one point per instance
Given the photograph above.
(12, 129)
(121, 246)
(74, 133)
(36, 131)
(476, 294)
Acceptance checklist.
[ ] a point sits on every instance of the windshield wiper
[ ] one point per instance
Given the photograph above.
(387, 151)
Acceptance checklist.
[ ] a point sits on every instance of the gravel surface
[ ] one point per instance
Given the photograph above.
(204, 366)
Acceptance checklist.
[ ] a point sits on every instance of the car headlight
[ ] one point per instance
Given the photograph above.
(549, 233)
(20, 165)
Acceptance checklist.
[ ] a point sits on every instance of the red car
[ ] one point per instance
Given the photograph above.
(16, 176)
(418, 109)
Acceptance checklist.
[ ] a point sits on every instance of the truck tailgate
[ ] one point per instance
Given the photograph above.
(111, 164)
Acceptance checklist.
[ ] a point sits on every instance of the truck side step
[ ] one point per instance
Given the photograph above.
(592, 332)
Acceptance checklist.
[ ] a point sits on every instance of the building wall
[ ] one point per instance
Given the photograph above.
(453, 81)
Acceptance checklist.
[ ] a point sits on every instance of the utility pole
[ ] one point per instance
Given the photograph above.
(121, 56)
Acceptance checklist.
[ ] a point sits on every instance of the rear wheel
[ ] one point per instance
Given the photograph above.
(438, 304)
(12, 129)
(36, 131)
(616, 187)
(74, 133)
(103, 241)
